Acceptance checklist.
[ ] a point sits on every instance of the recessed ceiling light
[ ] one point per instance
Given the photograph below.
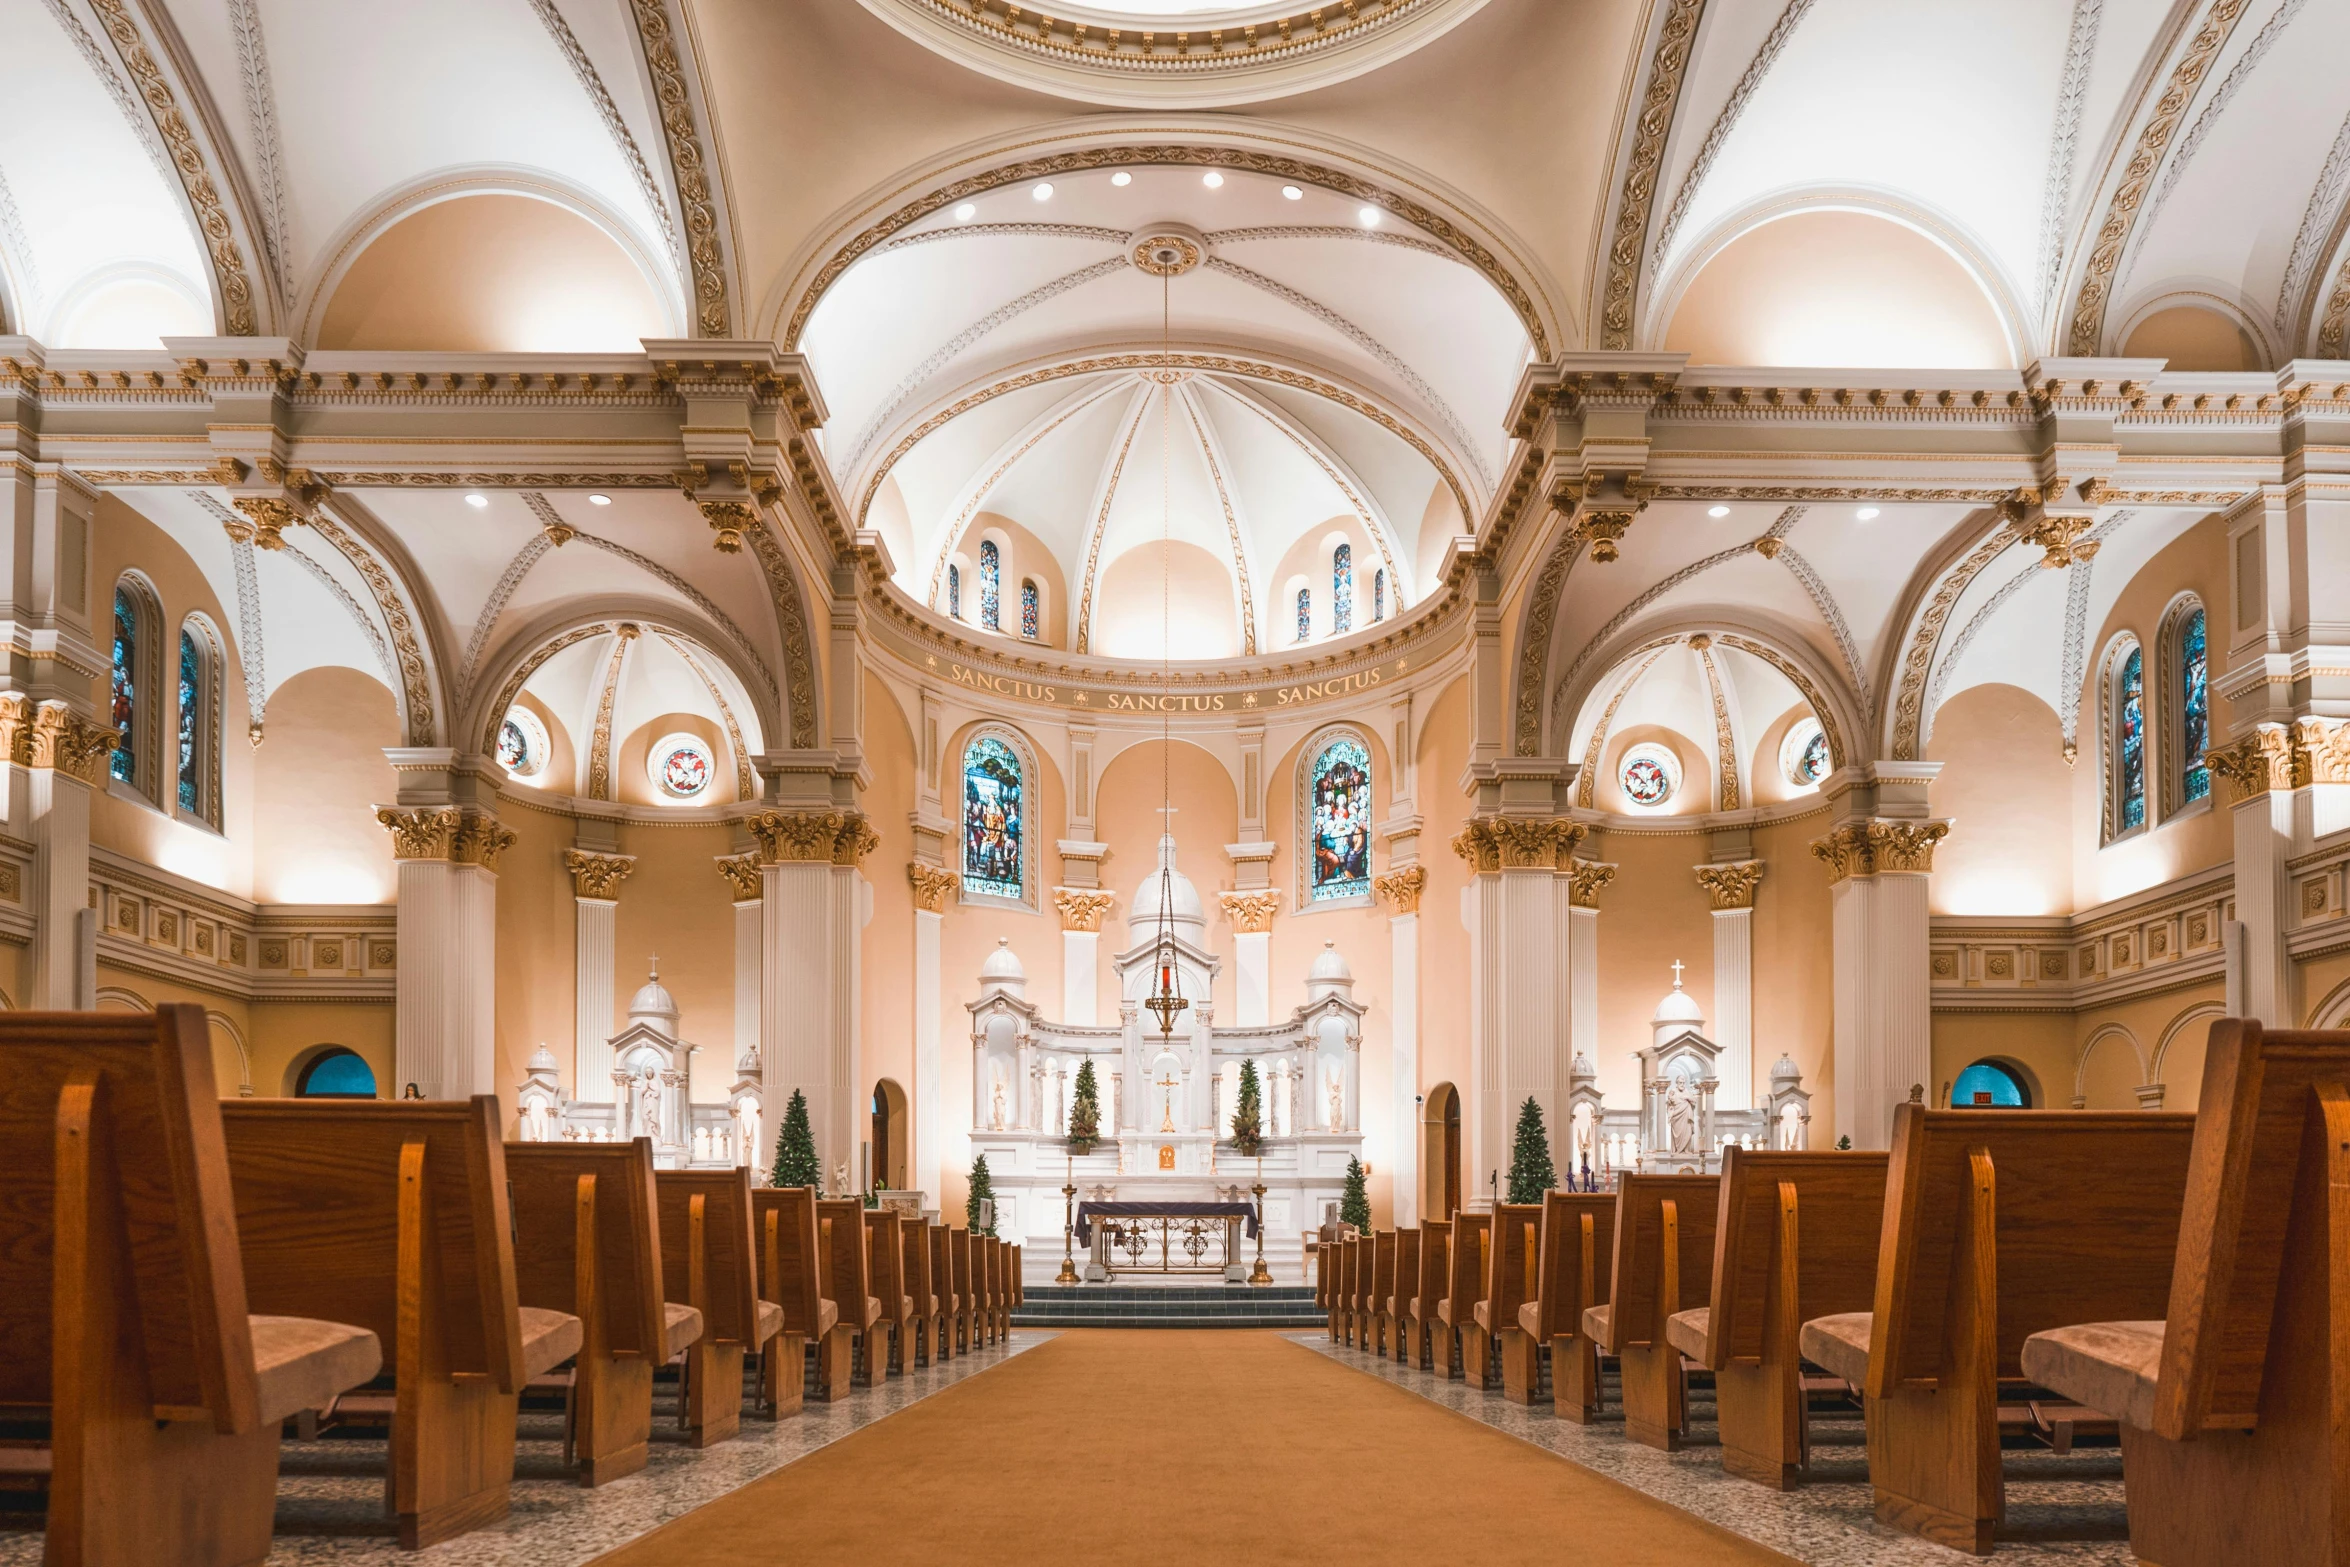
(1368, 217)
(1121, 178)
(1293, 193)
(599, 500)
(1867, 514)
(966, 212)
(1212, 180)
(1717, 511)
(477, 500)
(1042, 191)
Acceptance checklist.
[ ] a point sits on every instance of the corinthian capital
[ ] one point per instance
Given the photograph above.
(1400, 890)
(76, 746)
(1874, 848)
(1082, 909)
(1585, 879)
(420, 834)
(1251, 912)
(742, 875)
(932, 886)
(1731, 885)
(597, 875)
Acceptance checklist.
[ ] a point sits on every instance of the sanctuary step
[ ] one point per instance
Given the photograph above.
(1168, 1306)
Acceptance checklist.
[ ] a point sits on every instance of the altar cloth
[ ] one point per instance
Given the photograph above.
(1087, 1211)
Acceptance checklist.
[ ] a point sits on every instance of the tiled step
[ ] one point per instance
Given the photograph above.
(1169, 1306)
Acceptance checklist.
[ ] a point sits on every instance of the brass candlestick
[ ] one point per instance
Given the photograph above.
(1068, 1273)
(1260, 1276)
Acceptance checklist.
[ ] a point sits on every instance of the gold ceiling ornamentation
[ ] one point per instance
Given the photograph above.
(1542, 605)
(799, 664)
(1400, 890)
(1730, 796)
(1665, 70)
(933, 887)
(1586, 879)
(1800, 678)
(1251, 912)
(686, 163)
(1732, 885)
(416, 683)
(1157, 49)
(1081, 909)
(1587, 778)
(529, 667)
(597, 875)
(2121, 215)
(742, 875)
(599, 785)
(1167, 250)
(746, 784)
(1917, 660)
(2333, 320)
(1871, 848)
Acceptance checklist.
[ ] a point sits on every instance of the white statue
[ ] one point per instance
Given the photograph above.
(536, 1124)
(840, 1179)
(995, 1097)
(1337, 1101)
(649, 1105)
(746, 1130)
(1681, 1113)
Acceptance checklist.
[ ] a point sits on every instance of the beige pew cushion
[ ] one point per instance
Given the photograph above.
(681, 1328)
(1686, 1330)
(770, 1321)
(303, 1363)
(827, 1316)
(1530, 1318)
(1599, 1325)
(1840, 1343)
(1444, 1312)
(2110, 1366)
(549, 1338)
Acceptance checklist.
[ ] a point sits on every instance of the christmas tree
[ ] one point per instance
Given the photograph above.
(1248, 1117)
(795, 1148)
(1530, 1171)
(982, 1190)
(1354, 1207)
(1085, 1112)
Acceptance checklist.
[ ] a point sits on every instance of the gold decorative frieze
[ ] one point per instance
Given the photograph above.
(687, 165)
(742, 875)
(1731, 885)
(1586, 879)
(1400, 890)
(597, 875)
(1251, 912)
(933, 887)
(1081, 909)
(1665, 69)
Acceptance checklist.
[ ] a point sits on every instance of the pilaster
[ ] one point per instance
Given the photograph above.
(812, 913)
(1082, 911)
(444, 1033)
(934, 893)
(595, 889)
(1251, 912)
(1877, 868)
(1731, 888)
(1400, 890)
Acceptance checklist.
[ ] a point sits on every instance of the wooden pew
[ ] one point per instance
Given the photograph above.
(1382, 1282)
(990, 1269)
(1664, 1259)
(791, 1274)
(1361, 1263)
(1464, 1286)
(1795, 1238)
(2235, 1406)
(123, 1307)
(1509, 1280)
(914, 1247)
(1578, 1250)
(1998, 1224)
(1019, 1286)
(393, 1216)
(982, 1292)
(587, 1241)
(1342, 1259)
(886, 1268)
(709, 1260)
(1429, 1337)
(942, 1282)
(966, 1292)
(1326, 1288)
(860, 1329)
(1403, 1303)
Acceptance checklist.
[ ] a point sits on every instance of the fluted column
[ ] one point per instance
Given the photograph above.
(2261, 773)
(811, 914)
(1586, 879)
(1251, 913)
(1082, 910)
(1518, 992)
(934, 889)
(595, 890)
(445, 1019)
(1400, 890)
(1883, 1006)
(59, 757)
(1731, 887)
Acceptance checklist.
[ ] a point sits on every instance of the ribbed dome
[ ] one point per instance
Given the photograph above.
(1175, 893)
(654, 1004)
(1003, 969)
(1329, 976)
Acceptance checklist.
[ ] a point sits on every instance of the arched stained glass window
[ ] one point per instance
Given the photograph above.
(955, 591)
(991, 573)
(2129, 743)
(191, 784)
(1028, 615)
(125, 698)
(1338, 828)
(994, 819)
(1305, 613)
(1378, 595)
(2194, 708)
(1342, 589)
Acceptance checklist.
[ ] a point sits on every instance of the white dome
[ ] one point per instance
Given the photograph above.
(654, 1004)
(1784, 1070)
(1175, 893)
(1003, 969)
(1677, 1014)
(542, 1059)
(1329, 965)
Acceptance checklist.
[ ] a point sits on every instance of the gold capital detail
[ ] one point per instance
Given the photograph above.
(1251, 912)
(932, 886)
(268, 517)
(729, 520)
(420, 835)
(1400, 890)
(813, 837)
(2261, 761)
(1082, 909)
(742, 875)
(1879, 847)
(1585, 878)
(597, 875)
(479, 840)
(1513, 843)
(1731, 886)
(855, 840)
(61, 738)
(2321, 751)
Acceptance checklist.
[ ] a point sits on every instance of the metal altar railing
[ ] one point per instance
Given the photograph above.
(1166, 1244)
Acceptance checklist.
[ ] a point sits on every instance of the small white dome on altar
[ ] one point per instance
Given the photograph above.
(1677, 1014)
(542, 1059)
(1580, 1066)
(1168, 888)
(1329, 975)
(1002, 971)
(1784, 1072)
(654, 1005)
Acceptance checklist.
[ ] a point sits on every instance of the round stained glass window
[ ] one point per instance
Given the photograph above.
(1803, 755)
(522, 743)
(682, 767)
(1649, 775)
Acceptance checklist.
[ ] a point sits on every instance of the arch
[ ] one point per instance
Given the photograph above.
(2185, 676)
(121, 998)
(2110, 1032)
(2124, 756)
(236, 1038)
(403, 201)
(893, 1136)
(417, 635)
(996, 781)
(1990, 1070)
(331, 1071)
(2228, 336)
(1336, 817)
(2182, 1028)
(1440, 1151)
(2334, 1010)
(135, 686)
(200, 663)
(62, 327)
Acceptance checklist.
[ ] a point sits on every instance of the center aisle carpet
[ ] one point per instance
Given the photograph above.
(1207, 1445)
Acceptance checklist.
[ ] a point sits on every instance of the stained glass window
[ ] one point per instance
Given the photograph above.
(1803, 755)
(1812, 766)
(1378, 595)
(1339, 831)
(1342, 590)
(682, 766)
(991, 571)
(1649, 776)
(955, 591)
(993, 819)
(2194, 709)
(1028, 616)
(191, 705)
(125, 693)
(513, 747)
(2129, 743)
(1305, 613)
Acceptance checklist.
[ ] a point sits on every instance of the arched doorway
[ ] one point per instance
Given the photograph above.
(333, 1072)
(891, 1135)
(1440, 1162)
(1990, 1084)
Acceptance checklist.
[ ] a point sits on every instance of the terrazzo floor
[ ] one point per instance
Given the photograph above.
(2064, 1509)
(330, 1493)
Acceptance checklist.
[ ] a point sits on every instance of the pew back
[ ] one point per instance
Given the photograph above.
(2063, 1216)
(1640, 1310)
(1435, 1266)
(1382, 1270)
(543, 1180)
(1567, 1268)
(843, 1220)
(730, 1304)
(1838, 1202)
(791, 1271)
(886, 1261)
(914, 1248)
(320, 1189)
(959, 1253)
(942, 1268)
(1472, 1237)
(1406, 1288)
(1511, 1262)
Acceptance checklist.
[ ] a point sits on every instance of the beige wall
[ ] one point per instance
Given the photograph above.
(1444, 939)
(2010, 798)
(317, 780)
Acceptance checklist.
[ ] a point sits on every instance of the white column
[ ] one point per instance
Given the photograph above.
(1252, 978)
(1731, 887)
(67, 763)
(1080, 975)
(932, 888)
(813, 907)
(1883, 1004)
(2260, 769)
(1518, 991)
(1401, 889)
(444, 1033)
(595, 886)
(1585, 878)
(1251, 908)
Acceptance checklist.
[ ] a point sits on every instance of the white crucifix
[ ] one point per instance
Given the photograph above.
(1167, 1075)
(1677, 967)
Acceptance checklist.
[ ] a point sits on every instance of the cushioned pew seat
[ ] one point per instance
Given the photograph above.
(304, 1363)
(1686, 1330)
(1840, 1343)
(549, 1338)
(681, 1328)
(771, 1320)
(2110, 1366)
(1530, 1318)
(1597, 1323)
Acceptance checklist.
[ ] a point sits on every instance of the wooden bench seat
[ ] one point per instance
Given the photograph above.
(1839, 1343)
(1998, 1224)
(710, 1261)
(1403, 1301)
(942, 1282)
(1664, 1260)
(680, 1327)
(1435, 1279)
(549, 1338)
(914, 1266)
(2235, 1404)
(123, 1305)
(1379, 1285)
(1796, 1238)
(859, 1328)
(1458, 1340)
(885, 1254)
(791, 1275)
(1511, 1260)
(1571, 1278)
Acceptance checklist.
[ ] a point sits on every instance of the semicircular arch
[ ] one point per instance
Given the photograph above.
(512, 663)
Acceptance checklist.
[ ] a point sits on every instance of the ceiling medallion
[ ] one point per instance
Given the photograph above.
(1167, 249)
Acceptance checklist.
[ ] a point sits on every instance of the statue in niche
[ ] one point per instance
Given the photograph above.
(650, 1104)
(995, 1095)
(1337, 1101)
(840, 1180)
(746, 1130)
(1681, 1111)
(537, 1126)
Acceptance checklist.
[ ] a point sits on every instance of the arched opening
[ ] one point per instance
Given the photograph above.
(892, 1133)
(1990, 1085)
(335, 1073)
(1441, 1152)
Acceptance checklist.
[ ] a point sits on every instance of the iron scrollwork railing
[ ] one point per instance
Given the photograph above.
(1166, 1244)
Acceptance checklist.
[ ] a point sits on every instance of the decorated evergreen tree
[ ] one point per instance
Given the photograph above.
(982, 1190)
(1530, 1171)
(795, 1148)
(1354, 1206)
(1248, 1117)
(1085, 1111)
